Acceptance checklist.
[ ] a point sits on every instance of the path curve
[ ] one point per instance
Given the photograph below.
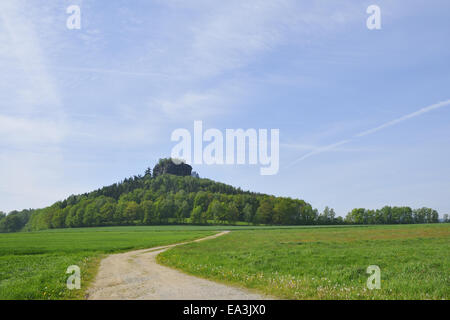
(136, 275)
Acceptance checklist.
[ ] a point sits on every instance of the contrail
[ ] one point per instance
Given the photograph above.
(373, 130)
(321, 150)
(408, 116)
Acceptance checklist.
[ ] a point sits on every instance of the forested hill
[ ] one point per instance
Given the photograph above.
(173, 194)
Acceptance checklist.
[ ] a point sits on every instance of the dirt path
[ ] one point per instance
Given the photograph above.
(137, 275)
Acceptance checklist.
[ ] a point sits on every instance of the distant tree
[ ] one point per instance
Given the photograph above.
(164, 209)
(10, 223)
(264, 212)
(434, 216)
(148, 212)
(239, 201)
(332, 215)
(356, 216)
(425, 215)
(183, 211)
(339, 220)
(370, 216)
(70, 218)
(248, 213)
(327, 216)
(132, 212)
(386, 214)
(202, 200)
(195, 174)
(406, 215)
(59, 218)
(89, 215)
(119, 214)
(283, 211)
(79, 216)
(196, 215)
(216, 211)
(107, 213)
(232, 213)
(308, 215)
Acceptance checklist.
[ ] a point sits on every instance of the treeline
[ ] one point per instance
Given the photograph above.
(166, 198)
(393, 215)
(14, 221)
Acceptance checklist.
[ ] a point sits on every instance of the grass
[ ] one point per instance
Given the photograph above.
(33, 265)
(325, 263)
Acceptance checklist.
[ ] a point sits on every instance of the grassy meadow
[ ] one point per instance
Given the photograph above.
(323, 262)
(33, 264)
(327, 262)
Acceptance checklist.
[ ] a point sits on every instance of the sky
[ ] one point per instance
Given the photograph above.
(363, 114)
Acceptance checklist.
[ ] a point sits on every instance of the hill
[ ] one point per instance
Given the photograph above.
(174, 194)
(170, 195)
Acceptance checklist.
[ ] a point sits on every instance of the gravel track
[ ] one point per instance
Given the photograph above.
(136, 275)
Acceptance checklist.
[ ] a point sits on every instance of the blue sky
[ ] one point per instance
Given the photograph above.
(80, 109)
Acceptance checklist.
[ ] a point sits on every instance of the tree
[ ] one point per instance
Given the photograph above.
(216, 211)
(149, 212)
(59, 218)
(91, 217)
(232, 213)
(195, 174)
(248, 213)
(196, 215)
(119, 213)
(264, 212)
(369, 216)
(425, 215)
(445, 219)
(183, 211)
(327, 216)
(279, 211)
(386, 214)
(132, 212)
(332, 216)
(201, 200)
(10, 223)
(434, 216)
(70, 218)
(78, 219)
(107, 213)
(356, 216)
(308, 214)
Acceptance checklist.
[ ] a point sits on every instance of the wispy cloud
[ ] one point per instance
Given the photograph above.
(32, 118)
(373, 130)
(17, 130)
(37, 91)
(112, 72)
(229, 35)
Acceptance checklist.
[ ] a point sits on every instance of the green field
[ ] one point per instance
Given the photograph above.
(33, 265)
(326, 263)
